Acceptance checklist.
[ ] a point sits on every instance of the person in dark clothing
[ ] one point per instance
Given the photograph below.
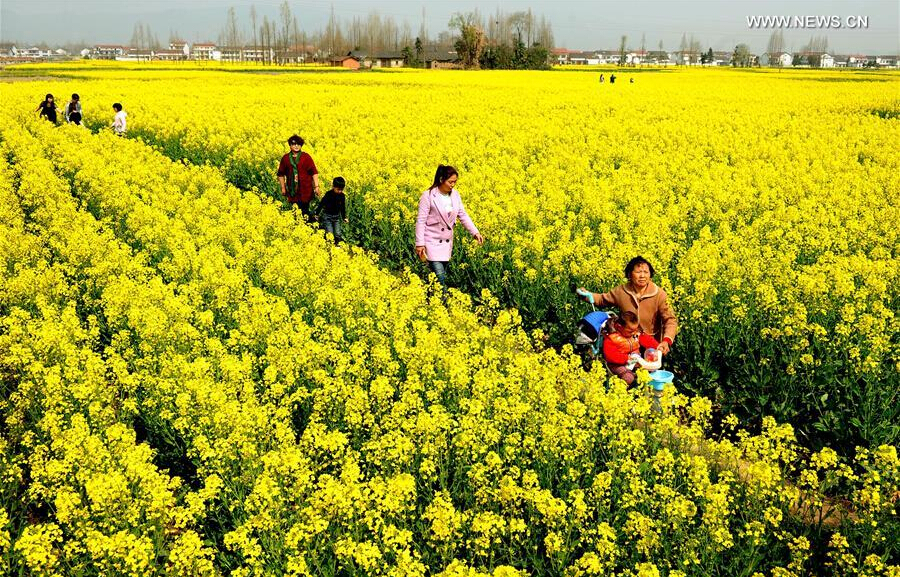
(612, 78)
(47, 108)
(334, 207)
(298, 176)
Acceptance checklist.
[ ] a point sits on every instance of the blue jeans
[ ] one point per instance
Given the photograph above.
(439, 268)
(332, 224)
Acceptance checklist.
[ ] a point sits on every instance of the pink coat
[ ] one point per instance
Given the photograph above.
(434, 229)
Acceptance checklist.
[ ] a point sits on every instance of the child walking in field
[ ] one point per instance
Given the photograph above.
(626, 339)
(119, 124)
(334, 207)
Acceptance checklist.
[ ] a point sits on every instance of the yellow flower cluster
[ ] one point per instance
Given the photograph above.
(200, 384)
(767, 210)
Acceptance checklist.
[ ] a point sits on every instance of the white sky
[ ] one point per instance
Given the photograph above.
(577, 24)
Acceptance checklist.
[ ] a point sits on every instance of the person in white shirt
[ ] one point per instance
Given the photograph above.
(119, 124)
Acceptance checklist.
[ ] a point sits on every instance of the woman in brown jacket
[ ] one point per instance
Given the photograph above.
(645, 299)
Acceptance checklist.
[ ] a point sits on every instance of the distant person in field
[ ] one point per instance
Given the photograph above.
(333, 209)
(631, 80)
(298, 176)
(47, 108)
(625, 339)
(73, 110)
(120, 122)
(439, 208)
(612, 78)
(640, 296)
(602, 80)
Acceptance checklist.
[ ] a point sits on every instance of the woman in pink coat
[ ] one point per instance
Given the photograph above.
(439, 208)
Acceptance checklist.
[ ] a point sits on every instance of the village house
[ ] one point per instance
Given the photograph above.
(388, 60)
(136, 55)
(203, 51)
(348, 62)
(257, 54)
(561, 55)
(170, 55)
(180, 46)
(229, 53)
(775, 59)
(443, 59)
(107, 51)
(857, 60)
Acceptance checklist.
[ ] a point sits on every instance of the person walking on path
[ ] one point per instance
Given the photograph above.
(439, 208)
(298, 176)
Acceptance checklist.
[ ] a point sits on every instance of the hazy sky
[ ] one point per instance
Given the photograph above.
(719, 24)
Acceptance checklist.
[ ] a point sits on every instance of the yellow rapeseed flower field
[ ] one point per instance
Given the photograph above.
(196, 383)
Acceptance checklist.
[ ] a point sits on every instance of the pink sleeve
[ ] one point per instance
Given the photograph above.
(424, 206)
(465, 219)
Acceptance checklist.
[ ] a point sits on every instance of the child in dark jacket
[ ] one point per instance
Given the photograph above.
(625, 340)
(334, 207)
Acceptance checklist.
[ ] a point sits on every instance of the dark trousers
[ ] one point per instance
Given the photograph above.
(332, 224)
(439, 268)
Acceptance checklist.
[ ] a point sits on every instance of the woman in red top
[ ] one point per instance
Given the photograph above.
(626, 340)
(298, 176)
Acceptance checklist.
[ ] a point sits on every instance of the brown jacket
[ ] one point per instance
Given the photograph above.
(652, 309)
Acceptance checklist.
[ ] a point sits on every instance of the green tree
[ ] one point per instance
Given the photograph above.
(408, 58)
(420, 51)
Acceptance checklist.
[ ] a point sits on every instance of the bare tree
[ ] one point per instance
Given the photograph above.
(622, 50)
(694, 49)
(741, 56)
(253, 25)
(529, 26)
(232, 32)
(295, 40)
(284, 38)
(776, 42)
(137, 38)
(643, 47)
(815, 49)
(423, 32)
(517, 24)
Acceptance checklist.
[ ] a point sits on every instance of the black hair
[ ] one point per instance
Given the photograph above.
(75, 97)
(444, 171)
(294, 139)
(338, 182)
(48, 97)
(117, 107)
(635, 262)
(627, 319)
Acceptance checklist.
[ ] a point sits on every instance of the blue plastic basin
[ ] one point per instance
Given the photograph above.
(658, 379)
